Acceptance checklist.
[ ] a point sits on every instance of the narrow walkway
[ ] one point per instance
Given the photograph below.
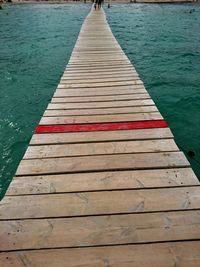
(102, 182)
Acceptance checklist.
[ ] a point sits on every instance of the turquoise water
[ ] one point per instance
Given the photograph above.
(36, 43)
(163, 41)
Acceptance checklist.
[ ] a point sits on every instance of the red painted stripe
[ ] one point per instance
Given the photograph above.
(91, 127)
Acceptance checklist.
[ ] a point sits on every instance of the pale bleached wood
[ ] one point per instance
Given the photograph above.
(102, 163)
(94, 203)
(99, 80)
(94, 69)
(97, 75)
(80, 182)
(99, 63)
(128, 103)
(182, 254)
(101, 118)
(101, 90)
(99, 98)
(98, 66)
(98, 58)
(98, 111)
(92, 92)
(99, 230)
(105, 73)
(103, 148)
(100, 84)
(100, 136)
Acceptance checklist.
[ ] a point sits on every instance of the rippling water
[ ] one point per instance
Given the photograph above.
(163, 41)
(36, 43)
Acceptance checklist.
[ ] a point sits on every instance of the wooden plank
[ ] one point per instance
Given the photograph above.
(101, 118)
(182, 254)
(96, 181)
(99, 203)
(99, 63)
(103, 148)
(98, 66)
(78, 93)
(100, 84)
(100, 58)
(94, 69)
(87, 52)
(86, 137)
(116, 104)
(102, 163)
(99, 98)
(105, 73)
(99, 230)
(97, 75)
(99, 80)
(113, 89)
(98, 111)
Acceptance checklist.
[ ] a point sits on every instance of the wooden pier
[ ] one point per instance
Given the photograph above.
(102, 183)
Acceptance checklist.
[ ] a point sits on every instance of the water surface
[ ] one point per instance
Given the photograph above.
(36, 43)
(163, 42)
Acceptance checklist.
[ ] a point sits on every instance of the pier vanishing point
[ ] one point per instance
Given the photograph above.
(102, 183)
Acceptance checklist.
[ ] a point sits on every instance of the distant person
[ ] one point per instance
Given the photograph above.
(98, 4)
(108, 5)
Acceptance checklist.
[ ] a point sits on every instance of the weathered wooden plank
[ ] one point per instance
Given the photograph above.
(100, 90)
(86, 137)
(128, 103)
(99, 98)
(102, 163)
(96, 203)
(101, 118)
(107, 72)
(182, 254)
(89, 80)
(97, 59)
(99, 76)
(81, 56)
(84, 92)
(99, 67)
(103, 148)
(99, 230)
(100, 84)
(94, 69)
(98, 111)
(99, 63)
(96, 181)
